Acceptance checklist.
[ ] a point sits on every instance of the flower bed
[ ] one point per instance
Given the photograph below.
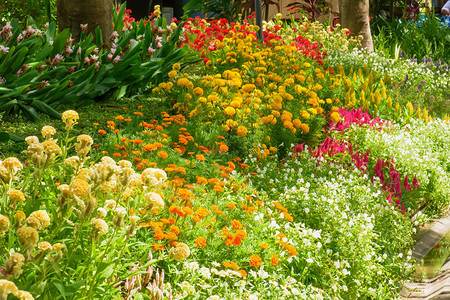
(259, 173)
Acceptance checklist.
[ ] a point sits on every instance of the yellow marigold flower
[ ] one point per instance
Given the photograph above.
(28, 237)
(286, 116)
(70, 117)
(248, 88)
(296, 123)
(277, 105)
(16, 195)
(185, 83)
(48, 131)
(198, 91)
(155, 200)
(235, 104)
(176, 67)
(14, 265)
(242, 131)
(7, 287)
(173, 74)
(230, 111)
(4, 224)
(313, 111)
(276, 113)
(305, 128)
(79, 187)
(304, 114)
(42, 216)
(153, 177)
(180, 251)
(288, 125)
(335, 117)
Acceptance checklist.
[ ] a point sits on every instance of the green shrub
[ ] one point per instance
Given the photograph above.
(41, 71)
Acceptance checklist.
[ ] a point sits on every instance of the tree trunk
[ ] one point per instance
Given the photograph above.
(354, 15)
(72, 13)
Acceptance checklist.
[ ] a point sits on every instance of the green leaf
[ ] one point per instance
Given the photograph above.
(6, 107)
(29, 112)
(98, 36)
(44, 52)
(15, 92)
(45, 108)
(107, 270)
(26, 78)
(118, 18)
(18, 59)
(4, 136)
(60, 41)
(51, 32)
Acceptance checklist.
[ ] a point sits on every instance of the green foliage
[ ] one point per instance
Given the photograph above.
(44, 70)
(425, 39)
(41, 11)
(229, 9)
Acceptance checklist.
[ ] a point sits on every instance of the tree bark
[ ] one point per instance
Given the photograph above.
(72, 13)
(354, 15)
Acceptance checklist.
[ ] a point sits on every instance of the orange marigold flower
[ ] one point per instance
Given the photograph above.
(223, 147)
(175, 229)
(274, 260)
(241, 234)
(231, 205)
(236, 224)
(201, 180)
(200, 242)
(202, 212)
(117, 154)
(188, 211)
(255, 261)
(263, 246)
(200, 157)
(163, 154)
(101, 131)
(243, 273)
(158, 234)
(241, 131)
(119, 117)
(157, 247)
(234, 266)
(170, 236)
(218, 188)
(138, 113)
(96, 124)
